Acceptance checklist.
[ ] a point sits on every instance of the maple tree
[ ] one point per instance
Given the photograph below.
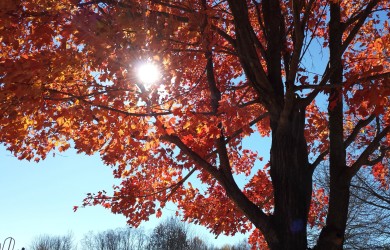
(229, 69)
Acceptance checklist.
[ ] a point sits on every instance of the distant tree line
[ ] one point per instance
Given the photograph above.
(171, 234)
(368, 226)
(49, 242)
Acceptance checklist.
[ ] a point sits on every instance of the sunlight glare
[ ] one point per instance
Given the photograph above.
(148, 73)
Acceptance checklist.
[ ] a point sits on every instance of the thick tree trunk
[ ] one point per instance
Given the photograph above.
(292, 181)
(332, 235)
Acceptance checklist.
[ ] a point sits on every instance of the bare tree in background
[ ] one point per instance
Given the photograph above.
(197, 243)
(368, 224)
(170, 234)
(242, 245)
(118, 239)
(48, 242)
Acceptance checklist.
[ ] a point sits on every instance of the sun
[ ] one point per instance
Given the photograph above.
(148, 73)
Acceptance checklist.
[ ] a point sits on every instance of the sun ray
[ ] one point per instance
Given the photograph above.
(148, 73)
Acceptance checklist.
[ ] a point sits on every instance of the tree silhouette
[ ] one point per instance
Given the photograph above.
(171, 234)
(48, 242)
(118, 239)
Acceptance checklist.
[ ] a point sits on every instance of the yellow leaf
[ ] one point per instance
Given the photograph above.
(187, 125)
(60, 120)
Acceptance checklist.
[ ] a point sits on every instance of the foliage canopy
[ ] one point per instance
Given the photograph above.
(229, 69)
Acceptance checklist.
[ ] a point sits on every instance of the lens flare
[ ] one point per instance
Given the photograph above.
(148, 74)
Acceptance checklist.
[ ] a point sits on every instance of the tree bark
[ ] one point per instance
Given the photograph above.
(292, 181)
(332, 235)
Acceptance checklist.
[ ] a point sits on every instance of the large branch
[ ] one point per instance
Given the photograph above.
(259, 45)
(215, 96)
(253, 122)
(250, 61)
(361, 124)
(223, 175)
(224, 35)
(360, 21)
(379, 158)
(240, 130)
(318, 160)
(192, 155)
(253, 212)
(298, 42)
(365, 155)
(312, 95)
(274, 28)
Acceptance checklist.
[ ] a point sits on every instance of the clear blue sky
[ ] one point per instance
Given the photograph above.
(38, 198)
